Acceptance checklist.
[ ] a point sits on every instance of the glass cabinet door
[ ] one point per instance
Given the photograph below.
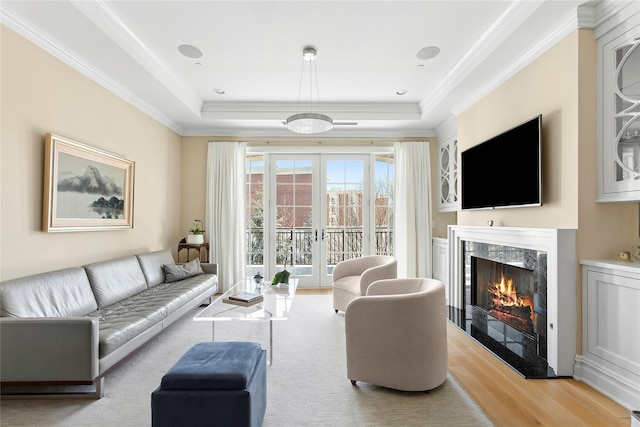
(620, 119)
(627, 114)
(444, 174)
(448, 163)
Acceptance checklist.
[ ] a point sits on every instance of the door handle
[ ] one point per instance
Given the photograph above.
(316, 235)
(322, 235)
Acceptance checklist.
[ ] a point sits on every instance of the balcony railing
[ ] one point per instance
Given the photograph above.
(342, 243)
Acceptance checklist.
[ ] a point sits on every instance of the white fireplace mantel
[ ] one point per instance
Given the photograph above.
(560, 246)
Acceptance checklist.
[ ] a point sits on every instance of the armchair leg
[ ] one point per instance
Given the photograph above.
(353, 382)
(336, 310)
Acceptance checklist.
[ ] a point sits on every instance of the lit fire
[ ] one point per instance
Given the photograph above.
(505, 297)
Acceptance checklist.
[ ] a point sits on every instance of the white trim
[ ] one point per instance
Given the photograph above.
(558, 33)
(610, 14)
(49, 44)
(318, 149)
(351, 111)
(105, 18)
(613, 385)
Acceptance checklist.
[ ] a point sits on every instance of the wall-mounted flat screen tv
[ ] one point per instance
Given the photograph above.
(504, 171)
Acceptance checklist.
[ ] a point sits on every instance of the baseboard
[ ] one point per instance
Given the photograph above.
(621, 389)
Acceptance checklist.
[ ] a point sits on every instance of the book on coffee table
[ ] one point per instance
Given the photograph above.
(253, 301)
(244, 298)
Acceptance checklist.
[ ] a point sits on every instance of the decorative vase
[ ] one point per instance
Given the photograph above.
(195, 239)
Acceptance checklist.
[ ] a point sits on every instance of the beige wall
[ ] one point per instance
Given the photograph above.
(40, 94)
(548, 86)
(194, 181)
(560, 85)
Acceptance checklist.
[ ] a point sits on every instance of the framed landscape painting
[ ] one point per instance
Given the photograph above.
(85, 188)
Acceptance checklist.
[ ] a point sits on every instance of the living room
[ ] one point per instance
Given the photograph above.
(42, 94)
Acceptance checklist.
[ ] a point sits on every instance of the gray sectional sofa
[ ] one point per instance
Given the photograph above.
(71, 326)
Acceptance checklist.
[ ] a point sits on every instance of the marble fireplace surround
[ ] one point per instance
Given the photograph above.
(560, 246)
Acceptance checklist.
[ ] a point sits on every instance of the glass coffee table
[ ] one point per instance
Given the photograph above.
(276, 305)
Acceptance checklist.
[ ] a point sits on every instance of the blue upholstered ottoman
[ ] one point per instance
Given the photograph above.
(213, 384)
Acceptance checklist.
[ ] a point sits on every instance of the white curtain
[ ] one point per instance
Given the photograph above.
(413, 209)
(225, 210)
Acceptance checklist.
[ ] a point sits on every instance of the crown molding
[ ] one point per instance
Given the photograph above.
(107, 20)
(608, 14)
(270, 133)
(282, 131)
(49, 44)
(515, 14)
(562, 30)
(447, 129)
(338, 111)
(586, 15)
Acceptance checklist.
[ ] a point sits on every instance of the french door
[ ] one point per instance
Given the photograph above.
(307, 212)
(317, 217)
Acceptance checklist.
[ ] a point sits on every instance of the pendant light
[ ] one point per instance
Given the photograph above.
(310, 122)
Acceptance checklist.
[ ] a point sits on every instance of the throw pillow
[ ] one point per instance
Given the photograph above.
(175, 272)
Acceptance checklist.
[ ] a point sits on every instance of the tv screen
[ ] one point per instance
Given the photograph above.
(504, 171)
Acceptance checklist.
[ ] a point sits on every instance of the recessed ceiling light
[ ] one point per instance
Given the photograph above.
(428, 52)
(219, 91)
(198, 64)
(420, 65)
(401, 92)
(190, 51)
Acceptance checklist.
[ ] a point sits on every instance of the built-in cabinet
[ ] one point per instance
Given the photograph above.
(448, 163)
(619, 112)
(610, 359)
(439, 261)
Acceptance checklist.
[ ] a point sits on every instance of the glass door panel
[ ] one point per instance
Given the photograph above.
(294, 222)
(384, 181)
(254, 215)
(346, 189)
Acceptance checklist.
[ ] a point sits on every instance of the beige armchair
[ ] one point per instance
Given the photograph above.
(396, 335)
(352, 277)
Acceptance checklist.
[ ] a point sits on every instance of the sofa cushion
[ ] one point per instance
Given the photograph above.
(176, 272)
(349, 284)
(181, 291)
(152, 263)
(61, 293)
(115, 280)
(125, 320)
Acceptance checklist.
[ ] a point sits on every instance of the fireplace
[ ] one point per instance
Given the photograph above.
(508, 313)
(513, 291)
(504, 292)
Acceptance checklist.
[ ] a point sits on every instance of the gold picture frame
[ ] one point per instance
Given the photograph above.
(85, 188)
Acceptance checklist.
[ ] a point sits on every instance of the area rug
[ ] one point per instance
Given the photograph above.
(307, 383)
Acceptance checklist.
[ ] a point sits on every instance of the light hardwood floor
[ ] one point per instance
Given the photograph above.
(510, 400)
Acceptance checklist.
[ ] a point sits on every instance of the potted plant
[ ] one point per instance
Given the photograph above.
(283, 276)
(196, 234)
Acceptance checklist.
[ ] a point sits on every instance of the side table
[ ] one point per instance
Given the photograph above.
(198, 248)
